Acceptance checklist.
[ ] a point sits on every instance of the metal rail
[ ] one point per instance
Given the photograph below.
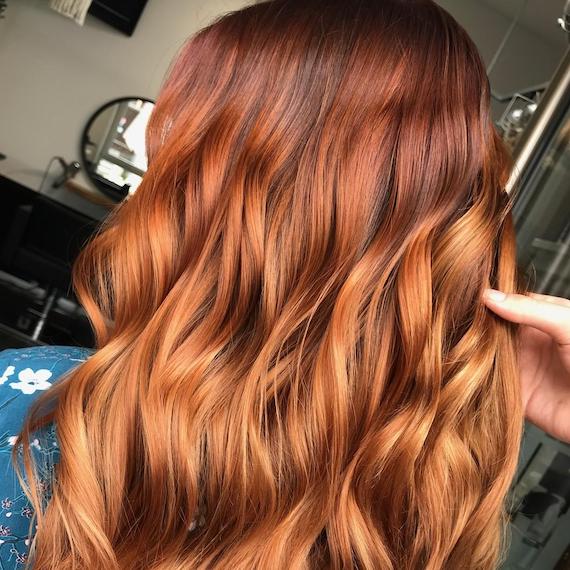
(553, 104)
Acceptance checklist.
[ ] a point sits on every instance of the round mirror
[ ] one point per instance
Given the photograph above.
(113, 146)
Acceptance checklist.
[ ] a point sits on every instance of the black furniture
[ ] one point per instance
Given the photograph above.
(39, 240)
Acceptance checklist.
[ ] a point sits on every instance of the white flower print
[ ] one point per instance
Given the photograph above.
(34, 443)
(8, 372)
(30, 381)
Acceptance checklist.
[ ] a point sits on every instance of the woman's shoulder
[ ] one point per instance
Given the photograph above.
(25, 373)
(31, 368)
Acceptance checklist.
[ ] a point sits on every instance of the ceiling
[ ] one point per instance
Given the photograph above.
(539, 16)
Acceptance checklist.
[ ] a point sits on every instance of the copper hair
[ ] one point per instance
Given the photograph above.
(294, 367)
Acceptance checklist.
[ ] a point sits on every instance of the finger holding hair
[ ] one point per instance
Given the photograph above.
(544, 355)
(544, 312)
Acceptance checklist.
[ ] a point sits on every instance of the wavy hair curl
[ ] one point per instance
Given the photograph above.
(294, 368)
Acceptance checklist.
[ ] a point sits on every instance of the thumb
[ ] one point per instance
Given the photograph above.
(550, 315)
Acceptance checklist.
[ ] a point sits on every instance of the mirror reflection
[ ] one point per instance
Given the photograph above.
(113, 146)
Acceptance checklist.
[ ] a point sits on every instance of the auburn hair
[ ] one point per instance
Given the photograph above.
(294, 368)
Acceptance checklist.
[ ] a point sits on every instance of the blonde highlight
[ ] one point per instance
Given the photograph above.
(294, 368)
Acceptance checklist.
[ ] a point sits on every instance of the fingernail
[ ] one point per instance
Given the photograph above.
(494, 295)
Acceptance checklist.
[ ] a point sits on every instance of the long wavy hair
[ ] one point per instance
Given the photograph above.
(294, 368)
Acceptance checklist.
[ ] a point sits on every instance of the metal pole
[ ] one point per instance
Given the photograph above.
(552, 106)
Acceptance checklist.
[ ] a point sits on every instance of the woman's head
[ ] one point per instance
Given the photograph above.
(290, 336)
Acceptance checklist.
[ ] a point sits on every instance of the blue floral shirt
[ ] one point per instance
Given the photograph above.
(24, 374)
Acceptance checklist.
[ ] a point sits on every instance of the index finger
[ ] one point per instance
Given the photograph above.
(553, 318)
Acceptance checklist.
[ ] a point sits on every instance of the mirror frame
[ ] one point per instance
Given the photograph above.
(108, 188)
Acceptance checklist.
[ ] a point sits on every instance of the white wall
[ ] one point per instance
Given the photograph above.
(528, 59)
(54, 74)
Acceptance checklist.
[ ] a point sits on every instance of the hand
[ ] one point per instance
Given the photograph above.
(544, 356)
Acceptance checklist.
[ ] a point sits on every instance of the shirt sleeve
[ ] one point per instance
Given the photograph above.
(25, 373)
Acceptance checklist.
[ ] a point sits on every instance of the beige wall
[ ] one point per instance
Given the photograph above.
(530, 56)
(54, 73)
